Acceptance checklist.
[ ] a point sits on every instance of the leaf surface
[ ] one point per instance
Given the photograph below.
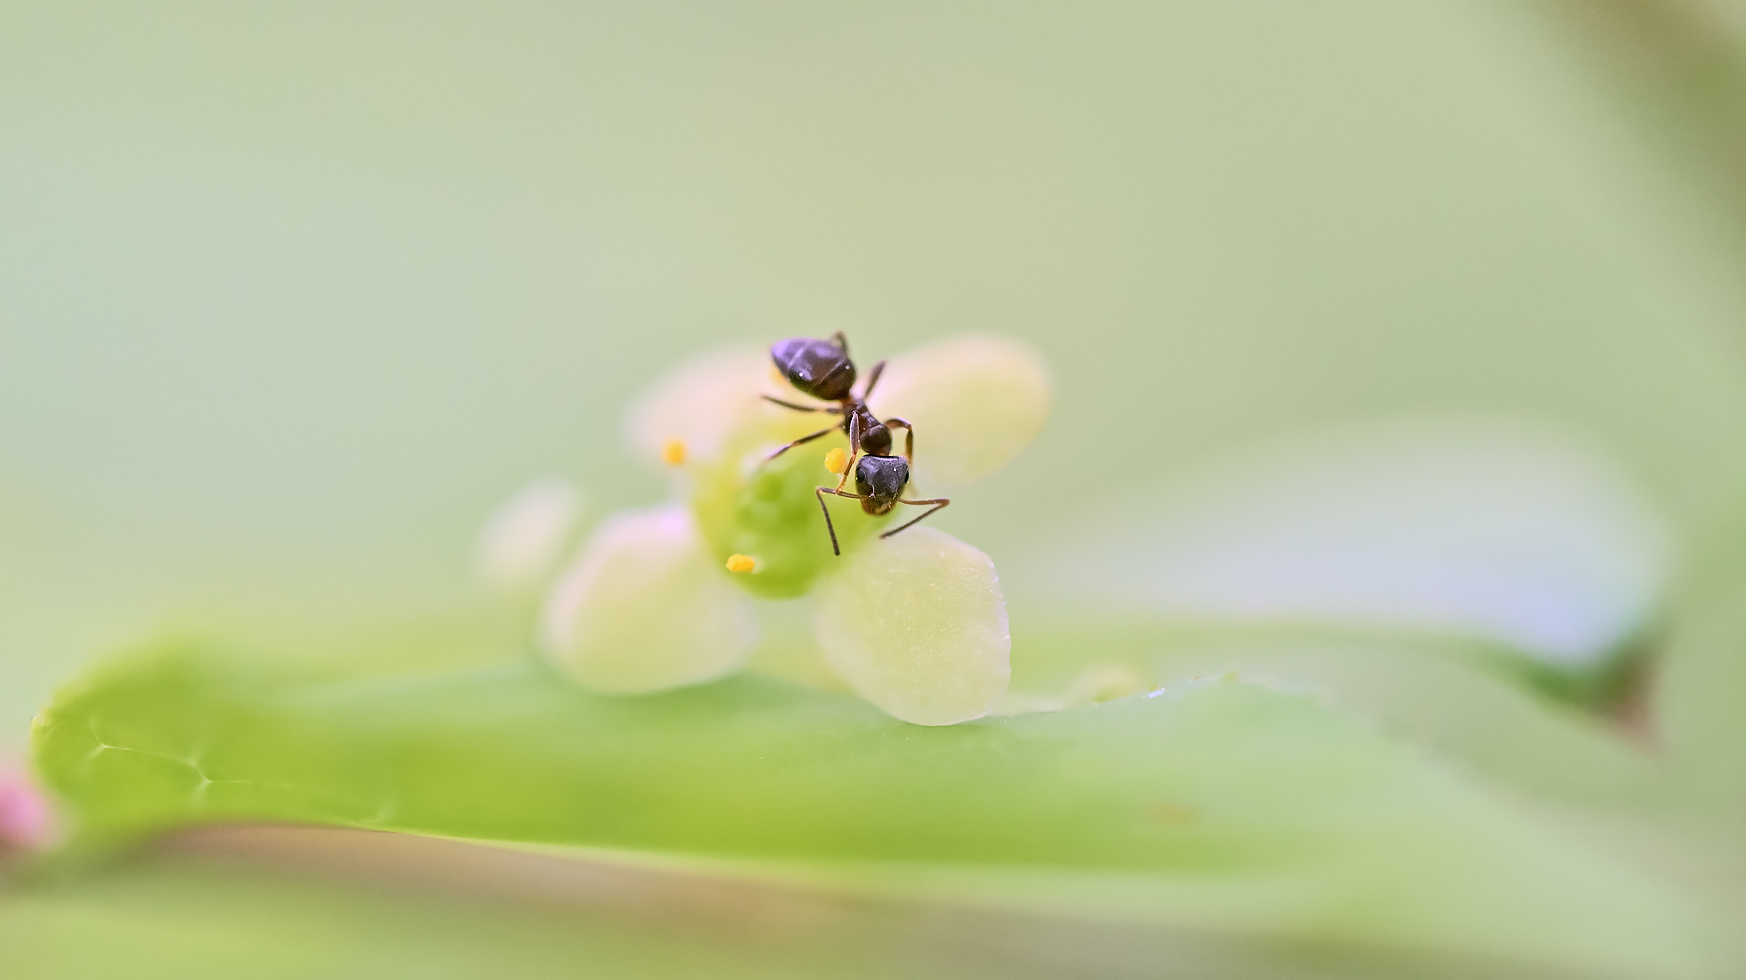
(1218, 805)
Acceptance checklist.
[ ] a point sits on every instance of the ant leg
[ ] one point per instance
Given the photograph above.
(939, 504)
(854, 449)
(801, 441)
(819, 493)
(872, 379)
(908, 437)
(802, 408)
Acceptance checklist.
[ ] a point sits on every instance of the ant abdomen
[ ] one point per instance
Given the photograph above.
(820, 368)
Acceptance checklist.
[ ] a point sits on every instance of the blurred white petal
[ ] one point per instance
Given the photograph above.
(917, 625)
(525, 537)
(976, 401)
(645, 607)
(1502, 531)
(702, 401)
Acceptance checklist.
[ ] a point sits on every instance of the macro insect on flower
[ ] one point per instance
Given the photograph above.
(682, 593)
(822, 369)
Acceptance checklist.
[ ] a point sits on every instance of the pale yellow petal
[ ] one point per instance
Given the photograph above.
(689, 412)
(916, 624)
(645, 607)
(976, 402)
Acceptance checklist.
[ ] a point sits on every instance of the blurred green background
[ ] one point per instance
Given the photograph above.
(291, 295)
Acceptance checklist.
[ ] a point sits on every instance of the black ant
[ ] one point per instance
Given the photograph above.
(822, 369)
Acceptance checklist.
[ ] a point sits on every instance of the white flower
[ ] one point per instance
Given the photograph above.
(915, 623)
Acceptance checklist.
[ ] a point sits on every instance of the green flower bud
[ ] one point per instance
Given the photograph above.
(768, 509)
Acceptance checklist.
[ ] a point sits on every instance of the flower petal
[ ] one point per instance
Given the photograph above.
(699, 403)
(646, 607)
(525, 537)
(977, 402)
(917, 625)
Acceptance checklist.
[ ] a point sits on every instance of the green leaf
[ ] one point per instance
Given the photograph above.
(1449, 694)
(1218, 805)
(1701, 694)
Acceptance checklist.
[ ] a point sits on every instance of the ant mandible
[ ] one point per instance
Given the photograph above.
(822, 369)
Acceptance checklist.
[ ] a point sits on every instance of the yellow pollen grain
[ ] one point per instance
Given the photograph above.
(740, 564)
(837, 460)
(673, 452)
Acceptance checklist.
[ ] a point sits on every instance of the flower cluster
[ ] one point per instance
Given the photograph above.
(671, 595)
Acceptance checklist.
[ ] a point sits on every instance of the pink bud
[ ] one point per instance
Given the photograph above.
(25, 822)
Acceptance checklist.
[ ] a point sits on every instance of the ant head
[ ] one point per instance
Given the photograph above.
(820, 368)
(881, 480)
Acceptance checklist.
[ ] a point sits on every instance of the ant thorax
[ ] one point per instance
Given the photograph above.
(875, 437)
